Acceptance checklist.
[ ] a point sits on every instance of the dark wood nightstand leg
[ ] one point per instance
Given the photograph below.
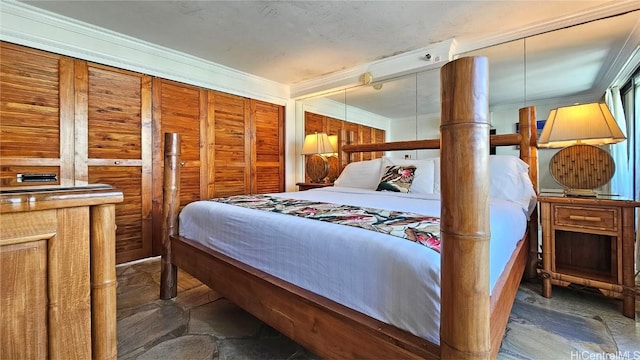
(629, 302)
(628, 274)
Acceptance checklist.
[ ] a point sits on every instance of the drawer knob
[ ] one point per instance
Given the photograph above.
(585, 218)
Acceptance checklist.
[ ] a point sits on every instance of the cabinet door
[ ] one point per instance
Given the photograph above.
(45, 299)
(229, 146)
(178, 108)
(36, 107)
(113, 146)
(267, 148)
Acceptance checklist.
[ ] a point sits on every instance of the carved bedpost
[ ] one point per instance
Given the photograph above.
(170, 209)
(464, 128)
(529, 153)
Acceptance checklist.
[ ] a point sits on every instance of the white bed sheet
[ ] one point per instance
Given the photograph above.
(386, 277)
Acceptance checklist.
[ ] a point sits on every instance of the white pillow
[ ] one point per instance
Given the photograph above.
(424, 176)
(361, 175)
(509, 180)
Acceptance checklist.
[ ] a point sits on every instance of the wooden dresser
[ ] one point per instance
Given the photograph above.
(58, 277)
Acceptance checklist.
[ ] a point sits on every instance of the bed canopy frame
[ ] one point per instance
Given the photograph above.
(472, 322)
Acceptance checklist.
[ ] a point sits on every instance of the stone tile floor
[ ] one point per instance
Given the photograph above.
(200, 324)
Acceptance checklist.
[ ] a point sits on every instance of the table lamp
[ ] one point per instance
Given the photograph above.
(317, 165)
(580, 167)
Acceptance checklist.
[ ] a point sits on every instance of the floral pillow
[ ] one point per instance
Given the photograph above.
(397, 178)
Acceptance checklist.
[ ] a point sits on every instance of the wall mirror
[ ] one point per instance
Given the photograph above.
(557, 68)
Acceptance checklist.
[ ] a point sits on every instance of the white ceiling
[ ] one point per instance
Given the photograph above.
(293, 42)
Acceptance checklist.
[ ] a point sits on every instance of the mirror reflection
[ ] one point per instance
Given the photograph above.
(572, 65)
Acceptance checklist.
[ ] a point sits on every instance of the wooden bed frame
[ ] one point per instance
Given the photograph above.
(472, 322)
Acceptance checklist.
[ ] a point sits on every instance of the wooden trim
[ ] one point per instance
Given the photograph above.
(67, 122)
(311, 320)
(104, 341)
(504, 291)
(251, 145)
(156, 168)
(204, 159)
(81, 85)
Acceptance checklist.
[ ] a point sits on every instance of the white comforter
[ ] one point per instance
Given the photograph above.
(386, 277)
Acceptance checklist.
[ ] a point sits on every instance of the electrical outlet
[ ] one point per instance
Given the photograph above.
(407, 157)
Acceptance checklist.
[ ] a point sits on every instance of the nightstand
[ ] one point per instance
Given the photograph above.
(590, 242)
(308, 185)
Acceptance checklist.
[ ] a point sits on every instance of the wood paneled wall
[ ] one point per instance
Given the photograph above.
(88, 123)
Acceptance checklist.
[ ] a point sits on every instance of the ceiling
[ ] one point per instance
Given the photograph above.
(295, 42)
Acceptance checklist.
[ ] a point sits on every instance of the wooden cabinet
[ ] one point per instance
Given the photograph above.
(113, 146)
(82, 123)
(57, 273)
(245, 146)
(36, 108)
(267, 147)
(70, 122)
(229, 145)
(179, 108)
(589, 241)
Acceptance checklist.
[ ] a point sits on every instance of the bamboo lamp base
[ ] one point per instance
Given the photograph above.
(317, 168)
(581, 168)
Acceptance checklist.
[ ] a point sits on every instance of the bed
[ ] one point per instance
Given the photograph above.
(474, 301)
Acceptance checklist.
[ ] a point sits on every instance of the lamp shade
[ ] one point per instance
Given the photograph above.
(317, 143)
(333, 139)
(590, 124)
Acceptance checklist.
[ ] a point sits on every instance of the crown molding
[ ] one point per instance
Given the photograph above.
(30, 26)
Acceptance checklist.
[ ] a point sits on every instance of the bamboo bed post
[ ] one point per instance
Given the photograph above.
(170, 208)
(465, 302)
(529, 154)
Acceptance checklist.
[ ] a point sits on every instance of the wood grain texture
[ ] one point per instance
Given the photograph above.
(267, 168)
(29, 102)
(529, 154)
(36, 102)
(23, 300)
(589, 241)
(464, 329)
(46, 309)
(104, 344)
(113, 117)
(170, 207)
(114, 114)
(132, 239)
(178, 108)
(230, 147)
(69, 296)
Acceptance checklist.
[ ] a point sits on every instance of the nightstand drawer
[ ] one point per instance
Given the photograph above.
(588, 218)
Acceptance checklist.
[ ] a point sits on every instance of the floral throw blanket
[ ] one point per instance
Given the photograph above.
(418, 228)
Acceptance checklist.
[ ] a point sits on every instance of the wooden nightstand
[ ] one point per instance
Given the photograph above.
(589, 241)
(307, 185)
